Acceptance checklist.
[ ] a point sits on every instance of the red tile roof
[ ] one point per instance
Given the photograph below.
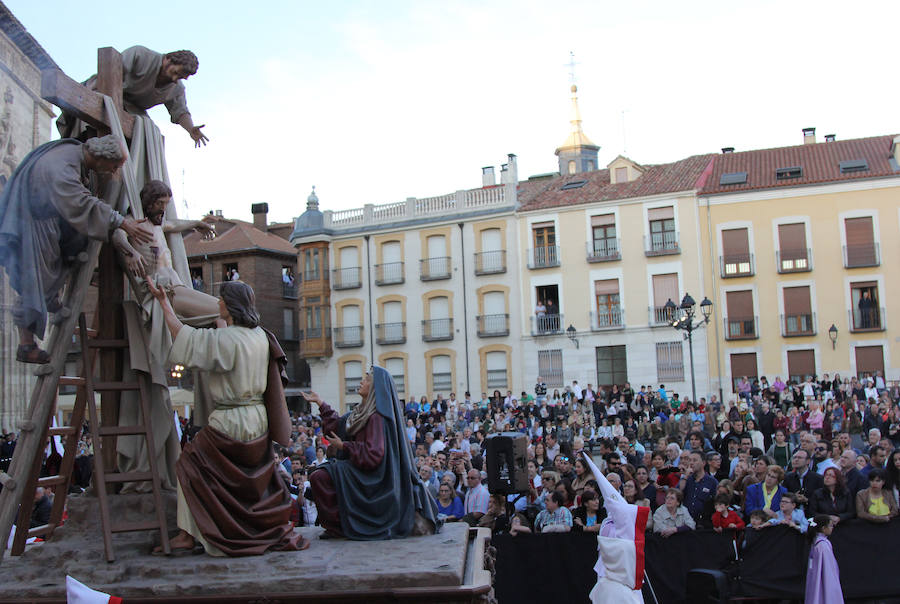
(236, 236)
(682, 175)
(820, 163)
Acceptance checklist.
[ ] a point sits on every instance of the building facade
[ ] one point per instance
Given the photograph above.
(25, 122)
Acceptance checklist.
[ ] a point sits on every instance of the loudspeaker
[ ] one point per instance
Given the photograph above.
(706, 585)
(505, 454)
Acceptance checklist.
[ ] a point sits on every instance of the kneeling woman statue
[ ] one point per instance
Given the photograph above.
(371, 491)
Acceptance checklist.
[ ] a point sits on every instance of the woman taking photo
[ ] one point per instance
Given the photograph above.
(833, 499)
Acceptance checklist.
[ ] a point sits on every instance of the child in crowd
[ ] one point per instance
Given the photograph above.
(725, 517)
(823, 579)
(758, 521)
(789, 514)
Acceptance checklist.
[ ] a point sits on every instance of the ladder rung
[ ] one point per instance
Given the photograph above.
(50, 481)
(91, 333)
(41, 530)
(71, 380)
(121, 430)
(111, 386)
(7, 481)
(62, 431)
(126, 527)
(128, 476)
(108, 343)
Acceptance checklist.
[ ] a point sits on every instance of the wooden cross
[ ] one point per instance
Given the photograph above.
(85, 104)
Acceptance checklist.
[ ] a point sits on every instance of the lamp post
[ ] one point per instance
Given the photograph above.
(832, 335)
(685, 322)
(571, 331)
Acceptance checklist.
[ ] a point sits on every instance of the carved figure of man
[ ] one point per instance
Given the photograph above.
(150, 78)
(153, 259)
(47, 213)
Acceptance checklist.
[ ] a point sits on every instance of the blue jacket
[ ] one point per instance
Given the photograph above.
(755, 500)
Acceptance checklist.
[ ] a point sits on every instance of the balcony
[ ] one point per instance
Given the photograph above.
(862, 255)
(390, 333)
(346, 278)
(738, 265)
(315, 342)
(389, 274)
(490, 263)
(603, 250)
(741, 328)
(798, 325)
(400, 382)
(442, 382)
(872, 319)
(543, 257)
(661, 244)
(660, 316)
(288, 290)
(496, 379)
(309, 276)
(432, 269)
(608, 318)
(435, 330)
(351, 384)
(348, 337)
(546, 325)
(793, 261)
(490, 326)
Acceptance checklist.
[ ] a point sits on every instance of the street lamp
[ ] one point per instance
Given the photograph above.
(832, 335)
(685, 322)
(177, 372)
(571, 331)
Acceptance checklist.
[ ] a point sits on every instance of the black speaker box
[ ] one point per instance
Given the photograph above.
(706, 585)
(506, 456)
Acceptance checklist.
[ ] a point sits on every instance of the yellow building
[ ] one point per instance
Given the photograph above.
(798, 244)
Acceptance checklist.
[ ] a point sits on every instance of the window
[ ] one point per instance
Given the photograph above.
(793, 254)
(288, 284)
(669, 362)
(866, 313)
(788, 173)
(869, 359)
(572, 166)
(393, 329)
(439, 326)
(609, 310)
(394, 366)
(350, 333)
(496, 371)
(603, 233)
(740, 323)
(546, 319)
(313, 318)
(733, 178)
(861, 249)
(390, 270)
(352, 376)
(665, 288)
(736, 258)
(854, 165)
(349, 275)
(494, 321)
(801, 364)
(288, 320)
(545, 252)
(743, 365)
(663, 238)
(311, 265)
(621, 175)
(229, 271)
(437, 264)
(612, 366)
(441, 374)
(798, 315)
(575, 184)
(492, 258)
(550, 367)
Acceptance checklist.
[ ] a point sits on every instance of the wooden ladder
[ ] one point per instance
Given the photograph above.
(17, 496)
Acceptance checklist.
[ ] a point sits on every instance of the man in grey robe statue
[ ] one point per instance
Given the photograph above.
(47, 213)
(149, 79)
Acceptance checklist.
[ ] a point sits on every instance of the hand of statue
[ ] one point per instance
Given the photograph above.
(138, 231)
(335, 440)
(208, 229)
(198, 136)
(136, 264)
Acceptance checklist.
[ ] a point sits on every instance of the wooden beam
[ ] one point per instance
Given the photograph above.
(75, 98)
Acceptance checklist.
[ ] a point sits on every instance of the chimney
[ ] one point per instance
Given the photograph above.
(504, 174)
(727, 150)
(830, 138)
(260, 213)
(219, 213)
(513, 168)
(809, 136)
(895, 151)
(488, 179)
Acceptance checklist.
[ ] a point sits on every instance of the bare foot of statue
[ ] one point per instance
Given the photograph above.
(180, 544)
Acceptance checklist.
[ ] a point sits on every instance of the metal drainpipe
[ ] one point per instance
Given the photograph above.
(462, 246)
(369, 285)
(712, 267)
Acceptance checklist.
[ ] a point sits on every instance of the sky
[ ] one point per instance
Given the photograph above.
(375, 102)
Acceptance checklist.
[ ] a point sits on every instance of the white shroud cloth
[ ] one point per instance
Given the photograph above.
(620, 546)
